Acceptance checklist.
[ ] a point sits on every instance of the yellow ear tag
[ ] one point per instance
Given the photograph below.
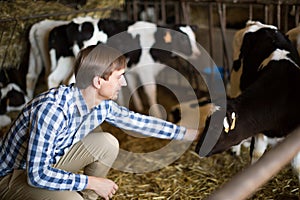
(226, 124)
(168, 37)
(233, 117)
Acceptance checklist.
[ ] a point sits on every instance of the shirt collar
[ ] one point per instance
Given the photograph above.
(80, 102)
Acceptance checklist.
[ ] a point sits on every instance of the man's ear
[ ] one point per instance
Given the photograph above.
(97, 82)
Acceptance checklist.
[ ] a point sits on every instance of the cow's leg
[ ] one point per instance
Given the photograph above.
(236, 150)
(34, 70)
(132, 86)
(151, 92)
(260, 146)
(63, 70)
(296, 165)
(35, 65)
(147, 74)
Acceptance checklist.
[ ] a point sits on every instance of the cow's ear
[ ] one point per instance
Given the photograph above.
(195, 28)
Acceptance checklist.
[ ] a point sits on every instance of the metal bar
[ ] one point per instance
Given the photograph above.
(250, 12)
(156, 8)
(266, 13)
(279, 15)
(135, 10)
(128, 10)
(285, 18)
(185, 13)
(163, 11)
(222, 20)
(297, 16)
(242, 185)
(177, 13)
(210, 24)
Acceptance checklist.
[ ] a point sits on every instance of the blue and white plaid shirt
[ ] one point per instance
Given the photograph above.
(51, 123)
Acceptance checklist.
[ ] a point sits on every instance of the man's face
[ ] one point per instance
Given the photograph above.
(110, 88)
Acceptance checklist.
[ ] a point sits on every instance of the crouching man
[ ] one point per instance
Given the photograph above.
(53, 137)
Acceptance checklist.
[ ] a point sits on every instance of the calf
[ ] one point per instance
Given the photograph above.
(12, 98)
(12, 90)
(65, 42)
(270, 105)
(143, 43)
(39, 55)
(251, 46)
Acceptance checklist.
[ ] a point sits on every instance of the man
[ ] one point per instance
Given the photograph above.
(52, 138)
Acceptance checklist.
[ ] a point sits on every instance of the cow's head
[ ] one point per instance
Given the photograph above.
(224, 138)
(185, 42)
(78, 33)
(177, 40)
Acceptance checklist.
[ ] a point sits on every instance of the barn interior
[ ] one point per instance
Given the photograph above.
(187, 176)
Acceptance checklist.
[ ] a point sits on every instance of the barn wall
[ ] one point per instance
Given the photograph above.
(217, 20)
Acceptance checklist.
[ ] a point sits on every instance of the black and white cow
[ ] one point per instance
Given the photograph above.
(251, 45)
(140, 41)
(270, 105)
(238, 75)
(39, 57)
(12, 93)
(13, 88)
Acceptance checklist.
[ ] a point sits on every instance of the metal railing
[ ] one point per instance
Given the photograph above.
(244, 184)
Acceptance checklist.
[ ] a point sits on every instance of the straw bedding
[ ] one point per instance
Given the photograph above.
(189, 177)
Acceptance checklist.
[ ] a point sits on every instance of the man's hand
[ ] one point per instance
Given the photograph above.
(103, 187)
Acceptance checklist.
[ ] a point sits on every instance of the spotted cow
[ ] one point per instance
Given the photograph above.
(147, 46)
(269, 105)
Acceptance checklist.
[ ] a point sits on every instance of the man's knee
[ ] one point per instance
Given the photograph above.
(101, 145)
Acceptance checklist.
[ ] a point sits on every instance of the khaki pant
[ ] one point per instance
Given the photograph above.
(94, 154)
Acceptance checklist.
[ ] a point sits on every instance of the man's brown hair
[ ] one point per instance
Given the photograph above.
(97, 60)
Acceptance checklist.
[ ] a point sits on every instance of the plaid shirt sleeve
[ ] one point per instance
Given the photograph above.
(47, 121)
(146, 125)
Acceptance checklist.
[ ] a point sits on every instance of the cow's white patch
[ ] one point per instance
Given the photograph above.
(146, 31)
(62, 72)
(98, 36)
(4, 92)
(80, 19)
(10, 87)
(192, 37)
(278, 54)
